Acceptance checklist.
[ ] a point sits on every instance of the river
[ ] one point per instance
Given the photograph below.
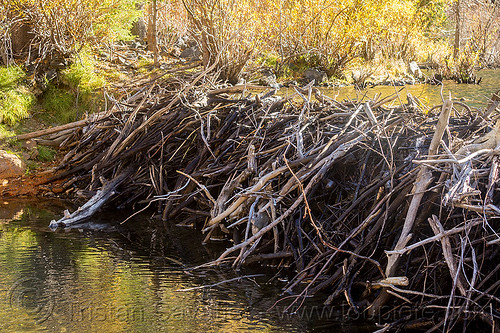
(474, 95)
(105, 277)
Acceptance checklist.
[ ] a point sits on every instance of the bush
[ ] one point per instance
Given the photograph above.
(85, 83)
(62, 28)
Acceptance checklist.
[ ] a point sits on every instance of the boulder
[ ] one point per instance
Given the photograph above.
(316, 75)
(191, 53)
(268, 78)
(415, 70)
(139, 29)
(11, 165)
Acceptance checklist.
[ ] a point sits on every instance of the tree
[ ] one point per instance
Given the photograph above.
(152, 30)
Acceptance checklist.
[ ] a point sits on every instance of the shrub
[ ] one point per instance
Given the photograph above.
(62, 28)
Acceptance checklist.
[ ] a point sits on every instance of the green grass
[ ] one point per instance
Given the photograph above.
(78, 92)
(46, 154)
(85, 82)
(5, 132)
(15, 105)
(15, 99)
(82, 75)
(10, 76)
(60, 105)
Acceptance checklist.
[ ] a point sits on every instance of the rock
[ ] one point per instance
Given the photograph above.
(269, 79)
(139, 29)
(29, 144)
(316, 75)
(11, 165)
(415, 70)
(191, 53)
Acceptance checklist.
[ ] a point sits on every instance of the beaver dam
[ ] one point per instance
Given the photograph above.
(382, 204)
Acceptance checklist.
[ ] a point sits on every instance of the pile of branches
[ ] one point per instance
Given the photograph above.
(388, 208)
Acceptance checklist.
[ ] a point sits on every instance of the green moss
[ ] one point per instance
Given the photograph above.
(46, 154)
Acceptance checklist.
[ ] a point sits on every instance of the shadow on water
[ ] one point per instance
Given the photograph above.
(107, 277)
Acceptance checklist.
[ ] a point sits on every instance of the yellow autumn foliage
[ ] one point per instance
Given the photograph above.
(324, 33)
(63, 27)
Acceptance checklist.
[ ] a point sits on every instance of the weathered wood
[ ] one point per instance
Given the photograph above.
(90, 207)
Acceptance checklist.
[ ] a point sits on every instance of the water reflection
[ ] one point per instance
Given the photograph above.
(430, 95)
(124, 280)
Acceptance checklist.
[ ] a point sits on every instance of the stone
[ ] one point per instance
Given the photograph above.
(10, 165)
(182, 43)
(415, 70)
(191, 53)
(139, 29)
(316, 75)
(268, 79)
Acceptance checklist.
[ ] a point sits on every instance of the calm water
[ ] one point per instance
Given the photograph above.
(474, 95)
(128, 280)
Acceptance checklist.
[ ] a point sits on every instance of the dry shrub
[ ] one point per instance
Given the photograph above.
(57, 29)
(331, 34)
(172, 23)
(229, 32)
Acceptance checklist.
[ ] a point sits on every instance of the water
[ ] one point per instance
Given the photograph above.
(102, 278)
(474, 95)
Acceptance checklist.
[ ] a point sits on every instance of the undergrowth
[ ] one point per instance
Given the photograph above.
(77, 93)
(15, 98)
(46, 154)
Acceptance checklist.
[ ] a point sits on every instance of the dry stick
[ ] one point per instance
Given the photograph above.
(339, 152)
(221, 282)
(56, 129)
(438, 229)
(203, 187)
(80, 123)
(439, 236)
(423, 180)
(127, 125)
(162, 111)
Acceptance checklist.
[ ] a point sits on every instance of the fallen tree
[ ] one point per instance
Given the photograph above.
(376, 204)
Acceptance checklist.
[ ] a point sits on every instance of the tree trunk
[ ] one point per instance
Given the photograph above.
(458, 28)
(152, 32)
